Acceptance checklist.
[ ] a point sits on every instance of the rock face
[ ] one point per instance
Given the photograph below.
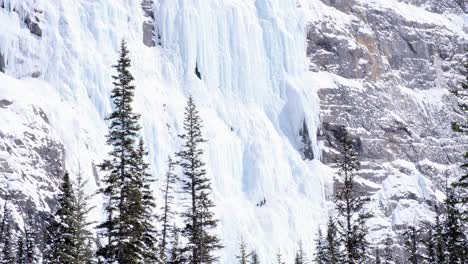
(395, 63)
(31, 158)
(455, 6)
(148, 25)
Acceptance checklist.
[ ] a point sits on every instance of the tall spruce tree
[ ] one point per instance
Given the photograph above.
(61, 230)
(321, 254)
(168, 213)
(377, 256)
(254, 259)
(332, 245)
(243, 256)
(31, 239)
(429, 243)
(349, 204)
(82, 236)
(198, 216)
(439, 236)
(279, 258)
(301, 257)
(387, 256)
(68, 239)
(127, 229)
(20, 257)
(412, 244)
(176, 255)
(4, 221)
(7, 254)
(143, 207)
(455, 237)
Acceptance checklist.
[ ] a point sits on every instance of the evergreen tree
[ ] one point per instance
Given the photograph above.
(144, 206)
(439, 237)
(279, 258)
(83, 238)
(51, 238)
(321, 253)
(4, 221)
(30, 234)
(349, 203)
(387, 256)
(68, 239)
(119, 167)
(128, 228)
(429, 242)
(60, 240)
(243, 256)
(301, 257)
(176, 252)
(454, 230)
(377, 256)
(412, 244)
(20, 251)
(332, 246)
(254, 258)
(167, 214)
(199, 218)
(7, 254)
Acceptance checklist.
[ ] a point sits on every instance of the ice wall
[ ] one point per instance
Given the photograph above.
(254, 94)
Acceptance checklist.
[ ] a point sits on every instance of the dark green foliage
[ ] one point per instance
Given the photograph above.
(412, 245)
(387, 256)
(254, 258)
(83, 238)
(68, 239)
(328, 248)
(168, 213)
(321, 253)
(128, 229)
(301, 257)
(429, 242)
(439, 237)
(20, 250)
(243, 256)
(279, 258)
(60, 232)
(119, 168)
(176, 255)
(7, 254)
(4, 221)
(143, 206)
(377, 256)
(198, 216)
(349, 204)
(332, 245)
(455, 243)
(30, 234)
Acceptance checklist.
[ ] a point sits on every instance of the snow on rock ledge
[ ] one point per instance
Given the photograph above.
(32, 157)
